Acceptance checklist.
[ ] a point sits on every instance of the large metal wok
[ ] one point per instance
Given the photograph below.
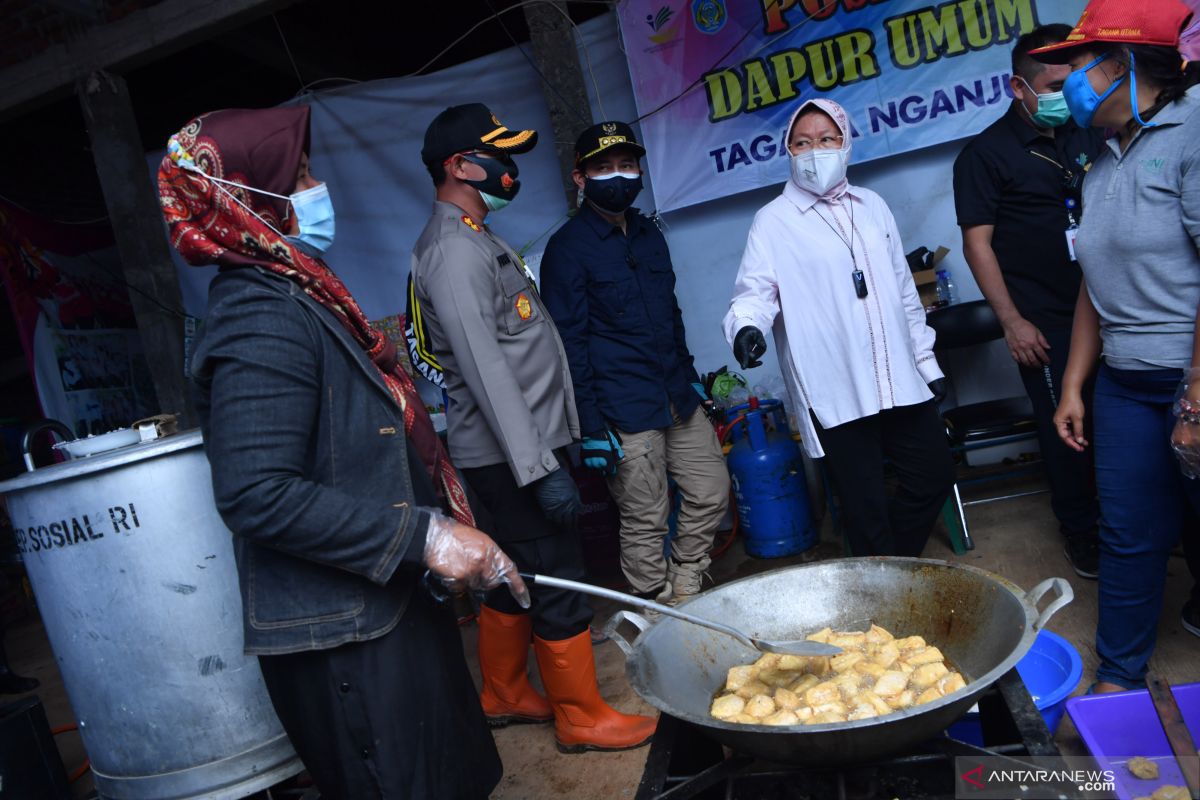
(983, 623)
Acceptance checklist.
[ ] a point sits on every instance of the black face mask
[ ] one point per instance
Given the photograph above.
(614, 192)
(500, 185)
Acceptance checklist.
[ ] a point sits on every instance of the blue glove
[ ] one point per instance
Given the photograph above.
(602, 452)
(559, 497)
(706, 403)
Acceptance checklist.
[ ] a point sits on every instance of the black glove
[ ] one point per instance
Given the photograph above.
(559, 497)
(748, 345)
(938, 387)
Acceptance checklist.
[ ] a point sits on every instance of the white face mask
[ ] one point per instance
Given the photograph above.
(819, 170)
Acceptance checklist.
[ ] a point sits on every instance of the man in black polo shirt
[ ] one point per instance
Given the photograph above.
(608, 283)
(1017, 194)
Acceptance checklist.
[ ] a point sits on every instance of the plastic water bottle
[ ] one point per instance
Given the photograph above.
(737, 396)
(946, 291)
(773, 388)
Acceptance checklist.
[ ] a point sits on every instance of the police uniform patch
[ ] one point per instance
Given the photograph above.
(420, 349)
(524, 308)
(470, 223)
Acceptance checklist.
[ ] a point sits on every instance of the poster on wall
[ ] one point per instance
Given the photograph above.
(717, 80)
(71, 307)
(105, 378)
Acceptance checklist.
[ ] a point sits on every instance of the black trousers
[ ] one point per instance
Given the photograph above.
(1071, 475)
(913, 440)
(510, 514)
(388, 719)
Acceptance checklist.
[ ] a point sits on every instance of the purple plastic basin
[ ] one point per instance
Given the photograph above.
(1117, 727)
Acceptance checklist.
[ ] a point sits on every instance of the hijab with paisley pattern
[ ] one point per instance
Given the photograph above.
(211, 222)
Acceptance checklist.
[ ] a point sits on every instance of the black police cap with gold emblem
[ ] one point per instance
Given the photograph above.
(473, 126)
(598, 138)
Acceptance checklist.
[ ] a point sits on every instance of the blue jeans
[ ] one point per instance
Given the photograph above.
(1143, 500)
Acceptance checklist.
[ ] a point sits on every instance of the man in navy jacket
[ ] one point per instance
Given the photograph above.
(608, 283)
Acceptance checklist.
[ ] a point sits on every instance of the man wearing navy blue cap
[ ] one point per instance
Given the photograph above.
(608, 283)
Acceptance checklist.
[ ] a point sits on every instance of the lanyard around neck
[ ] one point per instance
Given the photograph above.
(856, 274)
(1066, 172)
(838, 233)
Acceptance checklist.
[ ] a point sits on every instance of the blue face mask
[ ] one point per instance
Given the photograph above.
(1082, 98)
(314, 214)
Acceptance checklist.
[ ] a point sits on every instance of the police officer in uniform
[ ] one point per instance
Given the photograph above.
(478, 320)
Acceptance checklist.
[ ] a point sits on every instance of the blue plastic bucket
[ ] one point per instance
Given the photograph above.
(1051, 670)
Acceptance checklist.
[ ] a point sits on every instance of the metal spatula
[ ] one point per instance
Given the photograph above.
(792, 647)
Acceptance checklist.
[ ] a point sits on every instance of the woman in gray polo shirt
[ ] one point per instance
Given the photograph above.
(1136, 315)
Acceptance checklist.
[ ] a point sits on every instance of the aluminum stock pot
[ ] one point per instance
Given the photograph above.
(983, 623)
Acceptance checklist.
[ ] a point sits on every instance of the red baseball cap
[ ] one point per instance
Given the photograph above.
(1148, 22)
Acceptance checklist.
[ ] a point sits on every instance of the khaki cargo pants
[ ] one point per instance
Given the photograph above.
(690, 452)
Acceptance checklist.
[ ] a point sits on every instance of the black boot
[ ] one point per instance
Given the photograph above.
(11, 683)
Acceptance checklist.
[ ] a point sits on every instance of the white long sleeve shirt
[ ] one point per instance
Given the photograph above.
(843, 357)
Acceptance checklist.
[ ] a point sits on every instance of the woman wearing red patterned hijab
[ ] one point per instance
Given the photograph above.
(326, 468)
(214, 221)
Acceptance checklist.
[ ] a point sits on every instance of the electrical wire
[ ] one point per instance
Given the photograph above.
(118, 280)
(525, 247)
(486, 20)
(28, 210)
(287, 50)
(496, 15)
(688, 89)
(587, 59)
(306, 87)
(585, 118)
(83, 768)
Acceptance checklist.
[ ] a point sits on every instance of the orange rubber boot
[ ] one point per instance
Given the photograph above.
(582, 720)
(507, 695)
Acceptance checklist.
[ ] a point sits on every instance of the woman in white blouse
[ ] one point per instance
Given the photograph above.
(824, 269)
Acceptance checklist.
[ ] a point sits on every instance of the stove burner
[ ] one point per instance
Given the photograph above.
(685, 763)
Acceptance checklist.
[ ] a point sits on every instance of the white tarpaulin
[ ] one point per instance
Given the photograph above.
(366, 141)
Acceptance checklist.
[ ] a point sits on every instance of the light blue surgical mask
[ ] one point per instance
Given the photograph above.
(314, 214)
(492, 202)
(1133, 95)
(1082, 99)
(313, 207)
(1051, 111)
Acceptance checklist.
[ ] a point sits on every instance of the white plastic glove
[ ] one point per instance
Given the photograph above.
(464, 559)
(1185, 438)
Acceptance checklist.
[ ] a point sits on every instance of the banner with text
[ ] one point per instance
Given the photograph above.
(910, 74)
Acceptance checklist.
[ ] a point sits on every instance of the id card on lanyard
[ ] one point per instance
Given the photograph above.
(1071, 233)
(1071, 181)
(1072, 227)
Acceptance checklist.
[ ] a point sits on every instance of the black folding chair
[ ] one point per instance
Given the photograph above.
(990, 423)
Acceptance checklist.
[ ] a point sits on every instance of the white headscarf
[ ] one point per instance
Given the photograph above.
(840, 118)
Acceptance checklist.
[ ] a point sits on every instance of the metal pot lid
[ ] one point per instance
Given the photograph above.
(100, 462)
